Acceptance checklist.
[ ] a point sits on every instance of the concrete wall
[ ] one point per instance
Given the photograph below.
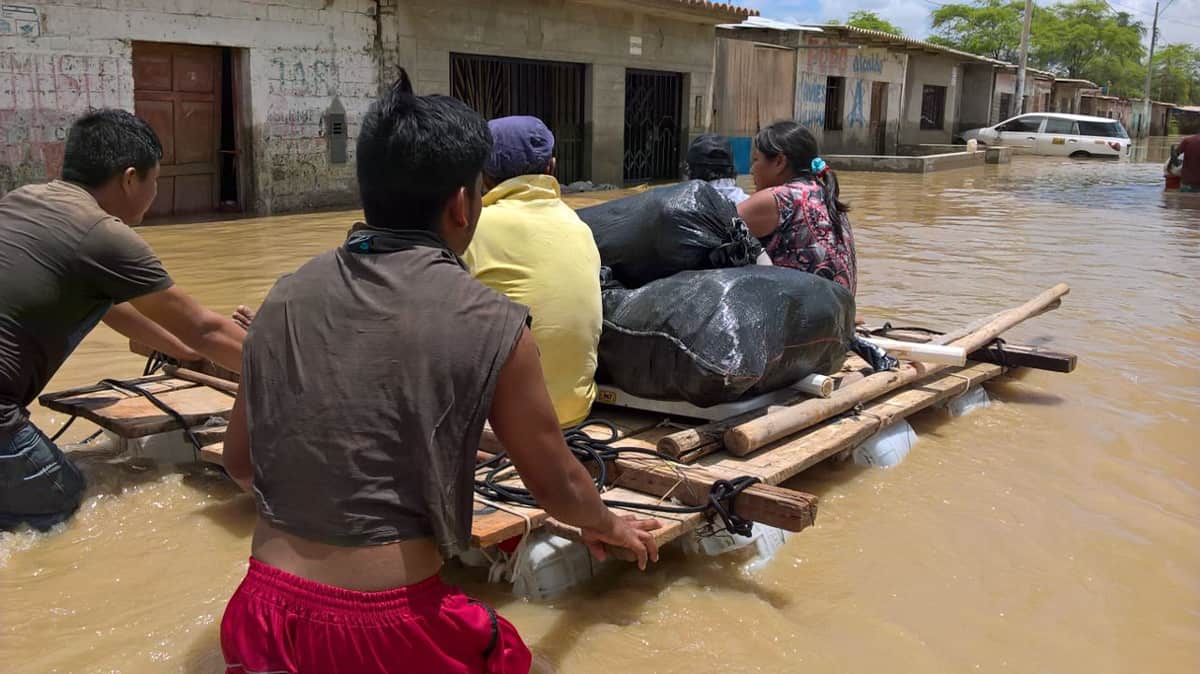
(1040, 92)
(927, 69)
(975, 109)
(421, 36)
(299, 53)
(1068, 98)
(861, 68)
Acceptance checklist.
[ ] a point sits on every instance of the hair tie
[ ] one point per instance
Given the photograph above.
(818, 166)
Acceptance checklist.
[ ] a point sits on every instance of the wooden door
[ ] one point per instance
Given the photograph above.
(878, 123)
(775, 84)
(177, 89)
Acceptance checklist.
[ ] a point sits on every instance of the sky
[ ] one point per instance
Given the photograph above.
(1179, 23)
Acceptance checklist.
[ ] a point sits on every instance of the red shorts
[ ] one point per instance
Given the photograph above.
(280, 623)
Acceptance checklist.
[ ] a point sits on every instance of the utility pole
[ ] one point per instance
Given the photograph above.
(1149, 72)
(1024, 56)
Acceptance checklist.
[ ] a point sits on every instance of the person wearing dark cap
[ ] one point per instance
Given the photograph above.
(531, 247)
(710, 158)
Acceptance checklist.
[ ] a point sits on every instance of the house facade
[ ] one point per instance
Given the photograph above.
(258, 102)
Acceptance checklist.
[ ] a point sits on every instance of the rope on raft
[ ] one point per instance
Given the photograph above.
(599, 452)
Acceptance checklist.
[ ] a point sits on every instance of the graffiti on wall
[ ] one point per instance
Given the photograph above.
(810, 101)
(855, 118)
(868, 64)
(302, 73)
(40, 95)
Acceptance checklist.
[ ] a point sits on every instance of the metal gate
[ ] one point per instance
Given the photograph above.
(549, 90)
(653, 125)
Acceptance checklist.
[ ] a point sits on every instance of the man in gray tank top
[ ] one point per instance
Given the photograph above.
(367, 377)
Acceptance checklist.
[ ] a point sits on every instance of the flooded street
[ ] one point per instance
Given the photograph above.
(1056, 531)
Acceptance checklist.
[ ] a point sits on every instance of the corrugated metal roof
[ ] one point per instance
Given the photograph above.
(1072, 80)
(718, 7)
(913, 44)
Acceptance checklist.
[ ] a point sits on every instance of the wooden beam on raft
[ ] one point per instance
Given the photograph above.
(997, 353)
(792, 456)
(757, 433)
(764, 503)
(202, 366)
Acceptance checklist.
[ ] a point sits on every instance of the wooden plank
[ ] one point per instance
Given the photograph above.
(133, 416)
(213, 454)
(778, 425)
(791, 456)
(997, 353)
(774, 506)
(203, 366)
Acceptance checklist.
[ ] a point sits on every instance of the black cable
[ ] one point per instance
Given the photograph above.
(153, 363)
(63, 429)
(170, 411)
(598, 452)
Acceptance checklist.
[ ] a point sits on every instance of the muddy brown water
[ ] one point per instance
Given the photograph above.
(1056, 531)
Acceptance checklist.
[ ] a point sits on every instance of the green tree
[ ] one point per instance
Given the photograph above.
(1085, 38)
(865, 18)
(1176, 74)
(988, 28)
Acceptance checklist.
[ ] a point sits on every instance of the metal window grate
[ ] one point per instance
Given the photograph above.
(653, 125)
(552, 91)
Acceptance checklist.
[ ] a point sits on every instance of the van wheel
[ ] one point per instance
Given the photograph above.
(1080, 155)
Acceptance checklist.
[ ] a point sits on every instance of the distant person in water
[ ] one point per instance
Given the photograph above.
(796, 211)
(368, 375)
(68, 260)
(710, 158)
(533, 248)
(1189, 176)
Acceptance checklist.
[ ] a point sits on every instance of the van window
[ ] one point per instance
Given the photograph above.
(1026, 124)
(1062, 126)
(1102, 129)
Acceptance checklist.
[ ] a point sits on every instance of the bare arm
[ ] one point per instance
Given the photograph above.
(760, 213)
(524, 421)
(130, 322)
(236, 455)
(205, 331)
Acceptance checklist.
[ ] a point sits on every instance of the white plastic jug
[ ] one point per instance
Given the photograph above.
(888, 447)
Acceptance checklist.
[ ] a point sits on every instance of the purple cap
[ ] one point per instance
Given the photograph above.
(520, 146)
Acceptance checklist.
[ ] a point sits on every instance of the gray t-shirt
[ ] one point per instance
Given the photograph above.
(64, 262)
(367, 378)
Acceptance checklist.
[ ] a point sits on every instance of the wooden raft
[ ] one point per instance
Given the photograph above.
(701, 447)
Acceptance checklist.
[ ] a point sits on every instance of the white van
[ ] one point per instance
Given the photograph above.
(1057, 134)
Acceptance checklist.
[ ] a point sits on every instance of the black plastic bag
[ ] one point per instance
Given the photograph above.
(715, 336)
(660, 232)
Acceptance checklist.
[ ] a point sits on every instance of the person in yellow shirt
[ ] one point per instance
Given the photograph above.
(530, 246)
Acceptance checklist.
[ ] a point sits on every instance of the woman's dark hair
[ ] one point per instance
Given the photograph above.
(104, 143)
(796, 143)
(413, 153)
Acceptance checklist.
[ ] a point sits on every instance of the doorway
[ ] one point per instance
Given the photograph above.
(552, 91)
(878, 123)
(653, 125)
(187, 95)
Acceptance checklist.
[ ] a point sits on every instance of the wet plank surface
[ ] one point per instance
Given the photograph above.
(133, 416)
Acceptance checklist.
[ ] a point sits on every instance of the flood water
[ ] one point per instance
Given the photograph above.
(1056, 531)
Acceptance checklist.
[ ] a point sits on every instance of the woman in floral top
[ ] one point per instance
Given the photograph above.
(796, 212)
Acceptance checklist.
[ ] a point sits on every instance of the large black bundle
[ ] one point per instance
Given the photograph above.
(715, 336)
(657, 233)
